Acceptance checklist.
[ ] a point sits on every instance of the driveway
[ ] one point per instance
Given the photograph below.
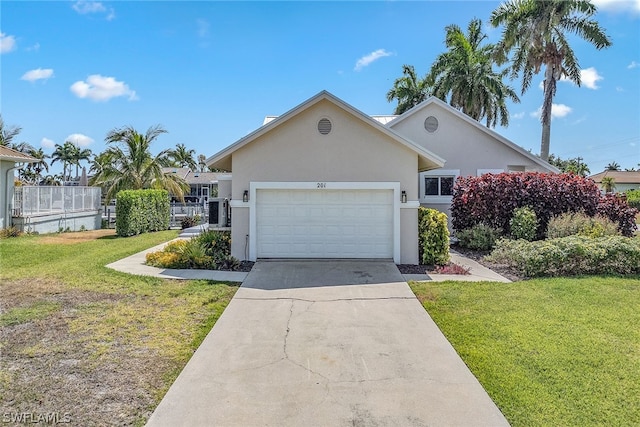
(325, 343)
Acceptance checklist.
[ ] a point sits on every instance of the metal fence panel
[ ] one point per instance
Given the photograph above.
(40, 200)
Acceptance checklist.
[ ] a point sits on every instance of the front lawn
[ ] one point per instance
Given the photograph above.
(92, 345)
(549, 352)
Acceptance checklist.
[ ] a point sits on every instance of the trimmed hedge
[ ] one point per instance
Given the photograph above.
(141, 211)
(573, 255)
(433, 236)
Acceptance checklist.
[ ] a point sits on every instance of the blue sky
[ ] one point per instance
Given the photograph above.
(210, 71)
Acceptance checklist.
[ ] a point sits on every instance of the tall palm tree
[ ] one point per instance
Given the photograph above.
(78, 155)
(409, 90)
(202, 166)
(608, 184)
(64, 154)
(131, 165)
(465, 77)
(182, 157)
(535, 32)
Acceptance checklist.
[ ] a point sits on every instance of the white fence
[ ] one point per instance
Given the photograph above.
(42, 200)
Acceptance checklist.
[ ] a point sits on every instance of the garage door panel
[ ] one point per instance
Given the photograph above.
(324, 223)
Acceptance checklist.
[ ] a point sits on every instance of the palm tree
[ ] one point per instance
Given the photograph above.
(464, 75)
(40, 165)
(608, 184)
(8, 133)
(409, 90)
(79, 155)
(130, 164)
(64, 154)
(183, 158)
(613, 166)
(536, 31)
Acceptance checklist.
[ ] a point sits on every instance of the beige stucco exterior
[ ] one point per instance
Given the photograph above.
(359, 152)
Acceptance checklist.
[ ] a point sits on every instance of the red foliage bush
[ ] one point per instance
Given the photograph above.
(492, 198)
(617, 209)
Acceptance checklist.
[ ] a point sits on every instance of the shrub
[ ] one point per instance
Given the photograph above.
(524, 224)
(573, 255)
(480, 237)
(188, 221)
(633, 198)
(141, 211)
(209, 250)
(433, 236)
(578, 223)
(618, 210)
(491, 199)
(12, 231)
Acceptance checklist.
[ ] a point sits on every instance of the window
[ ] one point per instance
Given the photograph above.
(438, 185)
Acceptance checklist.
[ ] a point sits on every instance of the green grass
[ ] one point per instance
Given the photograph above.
(552, 352)
(59, 302)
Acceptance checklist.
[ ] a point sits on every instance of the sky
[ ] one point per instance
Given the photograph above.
(209, 72)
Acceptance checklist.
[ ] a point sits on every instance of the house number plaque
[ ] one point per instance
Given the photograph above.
(322, 185)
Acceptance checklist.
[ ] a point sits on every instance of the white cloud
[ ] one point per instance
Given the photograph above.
(47, 143)
(37, 74)
(100, 88)
(557, 111)
(589, 78)
(618, 5)
(84, 7)
(633, 65)
(7, 43)
(79, 139)
(368, 59)
(34, 48)
(518, 115)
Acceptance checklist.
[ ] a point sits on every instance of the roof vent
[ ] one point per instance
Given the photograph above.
(431, 124)
(324, 126)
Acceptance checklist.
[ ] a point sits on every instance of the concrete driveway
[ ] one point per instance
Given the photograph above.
(326, 343)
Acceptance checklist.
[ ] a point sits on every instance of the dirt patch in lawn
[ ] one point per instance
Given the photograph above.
(49, 366)
(77, 237)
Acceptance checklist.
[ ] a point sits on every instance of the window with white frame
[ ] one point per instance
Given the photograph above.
(437, 186)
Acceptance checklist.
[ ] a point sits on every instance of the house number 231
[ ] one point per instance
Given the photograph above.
(322, 185)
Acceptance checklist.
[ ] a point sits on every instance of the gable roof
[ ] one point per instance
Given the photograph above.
(11, 155)
(191, 177)
(426, 159)
(432, 100)
(620, 177)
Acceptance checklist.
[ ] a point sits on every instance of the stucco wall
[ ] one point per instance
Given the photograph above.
(76, 221)
(352, 152)
(461, 144)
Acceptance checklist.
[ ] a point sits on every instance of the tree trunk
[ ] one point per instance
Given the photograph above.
(545, 118)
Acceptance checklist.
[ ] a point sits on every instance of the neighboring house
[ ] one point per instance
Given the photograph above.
(10, 160)
(623, 180)
(203, 185)
(325, 180)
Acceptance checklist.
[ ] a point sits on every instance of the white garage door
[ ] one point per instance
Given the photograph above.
(324, 223)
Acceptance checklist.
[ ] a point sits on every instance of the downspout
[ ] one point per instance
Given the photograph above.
(8, 215)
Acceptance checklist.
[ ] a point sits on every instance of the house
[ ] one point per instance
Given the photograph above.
(325, 180)
(202, 184)
(623, 180)
(10, 160)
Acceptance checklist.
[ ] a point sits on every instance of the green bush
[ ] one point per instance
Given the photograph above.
(480, 237)
(523, 224)
(209, 250)
(633, 198)
(12, 231)
(568, 256)
(578, 223)
(433, 235)
(141, 211)
(189, 221)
